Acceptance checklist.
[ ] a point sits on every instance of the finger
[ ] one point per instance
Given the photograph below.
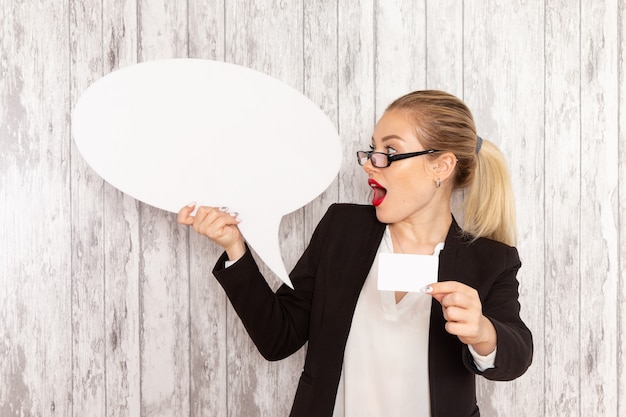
(184, 214)
(458, 299)
(204, 217)
(461, 330)
(214, 223)
(455, 314)
(203, 211)
(446, 287)
(468, 332)
(440, 290)
(437, 291)
(211, 215)
(220, 220)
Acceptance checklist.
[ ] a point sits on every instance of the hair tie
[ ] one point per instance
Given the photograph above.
(479, 143)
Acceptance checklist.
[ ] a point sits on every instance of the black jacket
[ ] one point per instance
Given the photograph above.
(328, 279)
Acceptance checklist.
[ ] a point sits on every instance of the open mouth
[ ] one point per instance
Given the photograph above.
(379, 192)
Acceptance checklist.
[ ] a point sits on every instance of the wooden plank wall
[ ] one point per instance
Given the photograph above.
(108, 307)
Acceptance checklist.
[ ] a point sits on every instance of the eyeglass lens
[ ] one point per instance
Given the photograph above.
(378, 159)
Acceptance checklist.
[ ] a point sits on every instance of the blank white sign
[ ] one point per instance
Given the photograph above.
(171, 132)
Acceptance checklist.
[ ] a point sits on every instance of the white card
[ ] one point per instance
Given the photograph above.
(406, 272)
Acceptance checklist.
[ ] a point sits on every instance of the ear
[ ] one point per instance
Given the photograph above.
(443, 166)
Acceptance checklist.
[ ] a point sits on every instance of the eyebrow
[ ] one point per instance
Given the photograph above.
(389, 137)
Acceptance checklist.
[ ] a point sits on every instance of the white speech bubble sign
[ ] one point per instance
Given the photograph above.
(169, 132)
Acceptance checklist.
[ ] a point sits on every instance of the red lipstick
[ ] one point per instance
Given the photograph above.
(379, 192)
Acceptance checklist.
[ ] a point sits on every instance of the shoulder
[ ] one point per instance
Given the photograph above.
(360, 212)
(353, 218)
(350, 224)
(485, 245)
(483, 252)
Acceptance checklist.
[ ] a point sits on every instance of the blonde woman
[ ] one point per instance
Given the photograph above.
(395, 354)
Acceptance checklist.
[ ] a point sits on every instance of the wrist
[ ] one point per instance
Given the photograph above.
(487, 343)
(236, 250)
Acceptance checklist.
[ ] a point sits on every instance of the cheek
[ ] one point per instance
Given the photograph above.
(414, 193)
(410, 185)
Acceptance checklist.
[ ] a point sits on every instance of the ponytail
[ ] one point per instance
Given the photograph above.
(489, 205)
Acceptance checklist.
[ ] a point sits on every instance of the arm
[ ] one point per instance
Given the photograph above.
(493, 322)
(278, 322)
(501, 306)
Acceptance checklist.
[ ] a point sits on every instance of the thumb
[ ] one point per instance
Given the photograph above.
(184, 216)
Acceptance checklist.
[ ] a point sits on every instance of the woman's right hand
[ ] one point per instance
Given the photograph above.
(218, 225)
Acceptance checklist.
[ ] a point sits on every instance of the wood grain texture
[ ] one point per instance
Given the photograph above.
(122, 305)
(621, 295)
(356, 93)
(108, 306)
(599, 164)
(444, 46)
(562, 176)
(504, 70)
(35, 218)
(400, 54)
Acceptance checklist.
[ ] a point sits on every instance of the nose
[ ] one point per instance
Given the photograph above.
(368, 167)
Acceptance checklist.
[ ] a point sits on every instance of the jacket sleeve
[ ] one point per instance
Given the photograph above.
(278, 323)
(502, 308)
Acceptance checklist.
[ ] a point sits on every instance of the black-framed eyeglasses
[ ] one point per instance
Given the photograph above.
(383, 160)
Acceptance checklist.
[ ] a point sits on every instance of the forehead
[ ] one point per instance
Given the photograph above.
(395, 126)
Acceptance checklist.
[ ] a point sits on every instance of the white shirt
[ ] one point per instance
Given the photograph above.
(385, 368)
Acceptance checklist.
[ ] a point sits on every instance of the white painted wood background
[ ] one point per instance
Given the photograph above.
(108, 307)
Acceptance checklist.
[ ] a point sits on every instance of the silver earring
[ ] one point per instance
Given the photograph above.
(438, 182)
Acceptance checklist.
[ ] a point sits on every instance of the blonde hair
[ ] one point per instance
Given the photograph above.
(442, 121)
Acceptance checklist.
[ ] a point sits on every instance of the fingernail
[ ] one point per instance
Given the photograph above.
(191, 204)
(427, 289)
(235, 215)
(223, 208)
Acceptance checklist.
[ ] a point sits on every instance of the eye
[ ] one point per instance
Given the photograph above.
(390, 150)
(372, 148)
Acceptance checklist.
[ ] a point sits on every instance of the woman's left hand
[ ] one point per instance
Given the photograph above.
(463, 312)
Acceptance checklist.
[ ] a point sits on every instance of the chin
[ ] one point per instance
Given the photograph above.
(384, 216)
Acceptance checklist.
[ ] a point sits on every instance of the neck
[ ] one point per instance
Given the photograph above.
(419, 235)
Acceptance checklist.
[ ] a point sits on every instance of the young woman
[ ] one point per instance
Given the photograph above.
(380, 353)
